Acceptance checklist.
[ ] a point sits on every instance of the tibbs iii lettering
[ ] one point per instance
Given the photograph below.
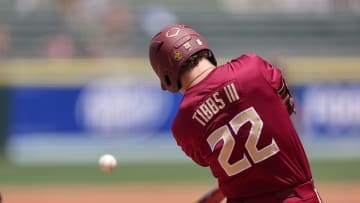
(214, 104)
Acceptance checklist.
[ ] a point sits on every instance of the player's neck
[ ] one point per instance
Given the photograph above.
(196, 74)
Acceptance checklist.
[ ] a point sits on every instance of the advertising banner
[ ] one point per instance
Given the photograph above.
(129, 119)
(328, 110)
(107, 107)
(133, 120)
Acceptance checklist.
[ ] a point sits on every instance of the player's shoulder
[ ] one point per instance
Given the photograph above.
(247, 61)
(250, 56)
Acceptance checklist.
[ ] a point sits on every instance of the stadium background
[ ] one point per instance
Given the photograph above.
(76, 83)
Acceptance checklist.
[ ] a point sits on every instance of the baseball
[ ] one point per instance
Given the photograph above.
(107, 163)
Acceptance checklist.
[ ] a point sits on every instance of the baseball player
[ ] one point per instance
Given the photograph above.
(235, 119)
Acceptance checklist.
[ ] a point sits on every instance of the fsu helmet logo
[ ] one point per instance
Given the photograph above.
(173, 32)
(177, 55)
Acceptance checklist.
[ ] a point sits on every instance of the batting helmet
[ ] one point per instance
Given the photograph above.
(170, 49)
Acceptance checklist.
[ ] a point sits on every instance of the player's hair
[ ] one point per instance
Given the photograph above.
(194, 60)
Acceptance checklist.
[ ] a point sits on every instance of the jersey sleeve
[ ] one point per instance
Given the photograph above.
(275, 79)
(196, 157)
(188, 146)
(190, 151)
(271, 74)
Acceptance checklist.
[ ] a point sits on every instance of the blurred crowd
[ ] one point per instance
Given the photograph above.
(65, 28)
(109, 28)
(291, 6)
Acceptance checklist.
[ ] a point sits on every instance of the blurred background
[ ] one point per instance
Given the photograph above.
(76, 83)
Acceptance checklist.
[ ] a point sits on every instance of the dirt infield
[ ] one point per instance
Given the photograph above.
(331, 193)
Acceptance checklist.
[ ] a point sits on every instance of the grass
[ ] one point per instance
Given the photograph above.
(148, 172)
(85, 174)
(336, 170)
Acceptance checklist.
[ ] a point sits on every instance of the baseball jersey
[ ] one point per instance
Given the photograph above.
(235, 122)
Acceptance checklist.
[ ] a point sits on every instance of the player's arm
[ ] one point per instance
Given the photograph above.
(213, 196)
(276, 80)
(286, 96)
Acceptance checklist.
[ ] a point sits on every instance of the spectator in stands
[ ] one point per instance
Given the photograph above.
(59, 46)
(5, 41)
(101, 28)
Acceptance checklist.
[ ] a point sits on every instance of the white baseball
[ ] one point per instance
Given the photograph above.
(107, 163)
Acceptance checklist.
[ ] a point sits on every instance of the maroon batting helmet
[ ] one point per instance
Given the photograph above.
(170, 49)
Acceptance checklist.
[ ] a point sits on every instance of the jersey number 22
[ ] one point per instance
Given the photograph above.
(255, 154)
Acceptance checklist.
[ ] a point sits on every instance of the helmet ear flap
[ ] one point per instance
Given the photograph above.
(212, 58)
(168, 83)
(167, 80)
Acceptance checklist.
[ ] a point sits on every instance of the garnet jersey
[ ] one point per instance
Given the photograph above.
(235, 122)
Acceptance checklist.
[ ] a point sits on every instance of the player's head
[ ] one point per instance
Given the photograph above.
(170, 51)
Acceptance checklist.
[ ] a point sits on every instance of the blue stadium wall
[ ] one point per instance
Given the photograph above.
(78, 111)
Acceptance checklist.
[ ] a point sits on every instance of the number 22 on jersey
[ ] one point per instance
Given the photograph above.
(255, 154)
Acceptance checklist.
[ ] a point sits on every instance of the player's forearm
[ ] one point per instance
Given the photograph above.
(286, 96)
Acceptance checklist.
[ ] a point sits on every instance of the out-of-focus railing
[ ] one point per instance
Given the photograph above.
(115, 28)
